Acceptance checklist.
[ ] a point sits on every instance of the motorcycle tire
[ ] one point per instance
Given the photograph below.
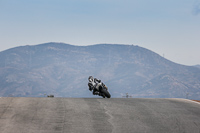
(106, 93)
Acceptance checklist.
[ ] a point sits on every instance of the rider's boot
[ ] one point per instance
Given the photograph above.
(96, 93)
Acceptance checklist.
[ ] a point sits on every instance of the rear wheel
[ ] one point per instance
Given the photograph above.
(106, 93)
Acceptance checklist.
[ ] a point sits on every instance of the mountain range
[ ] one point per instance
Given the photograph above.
(63, 70)
(198, 66)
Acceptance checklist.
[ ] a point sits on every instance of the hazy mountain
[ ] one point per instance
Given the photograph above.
(198, 66)
(62, 70)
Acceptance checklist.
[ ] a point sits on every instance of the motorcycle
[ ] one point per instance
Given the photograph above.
(102, 89)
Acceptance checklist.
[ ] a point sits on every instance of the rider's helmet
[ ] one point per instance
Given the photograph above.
(91, 78)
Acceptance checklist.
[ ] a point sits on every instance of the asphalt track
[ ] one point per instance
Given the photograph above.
(82, 115)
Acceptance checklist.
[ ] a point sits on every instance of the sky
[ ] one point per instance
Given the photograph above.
(170, 28)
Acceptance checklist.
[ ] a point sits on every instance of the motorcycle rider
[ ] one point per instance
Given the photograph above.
(92, 83)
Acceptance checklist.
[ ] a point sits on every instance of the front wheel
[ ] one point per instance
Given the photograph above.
(106, 93)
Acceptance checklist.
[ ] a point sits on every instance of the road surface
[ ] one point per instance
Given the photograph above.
(90, 115)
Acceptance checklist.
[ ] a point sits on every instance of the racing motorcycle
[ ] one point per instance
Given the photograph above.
(103, 90)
